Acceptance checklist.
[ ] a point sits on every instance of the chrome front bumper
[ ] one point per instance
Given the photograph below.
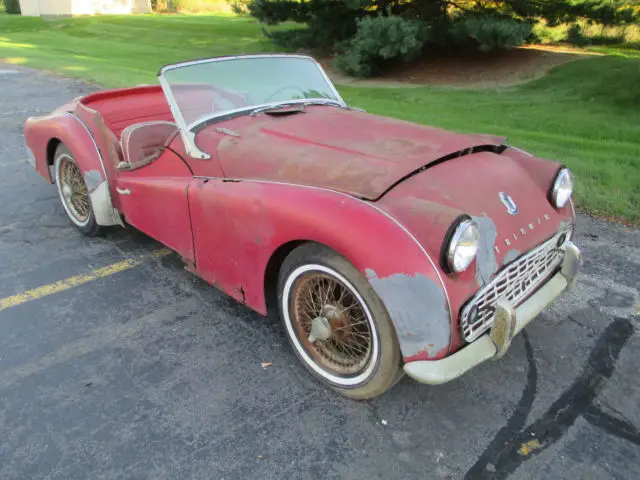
(508, 322)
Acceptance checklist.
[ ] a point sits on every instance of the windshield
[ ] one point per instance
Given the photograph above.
(205, 89)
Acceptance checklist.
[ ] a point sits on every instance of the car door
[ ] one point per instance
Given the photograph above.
(152, 189)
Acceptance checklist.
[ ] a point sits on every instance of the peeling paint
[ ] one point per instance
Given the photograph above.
(102, 208)
(486, 261)
(93, 178)
(418, 308)
(511, 255)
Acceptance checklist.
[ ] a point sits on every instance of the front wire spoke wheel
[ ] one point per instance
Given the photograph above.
(336, 324)
(345, 348)
(330, 325)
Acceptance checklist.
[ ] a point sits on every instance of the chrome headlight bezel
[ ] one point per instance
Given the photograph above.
(561, 188)
(460, 246)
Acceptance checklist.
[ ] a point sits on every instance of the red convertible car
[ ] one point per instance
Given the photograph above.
(386, 246)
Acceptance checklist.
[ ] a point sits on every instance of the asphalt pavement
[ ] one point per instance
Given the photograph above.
(151, 373)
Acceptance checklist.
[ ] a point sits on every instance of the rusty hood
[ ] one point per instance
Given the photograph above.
(346, 150)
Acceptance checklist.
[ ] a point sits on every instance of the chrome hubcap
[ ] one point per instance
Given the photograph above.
(320, 329)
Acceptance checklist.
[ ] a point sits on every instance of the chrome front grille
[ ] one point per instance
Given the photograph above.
(514, 283)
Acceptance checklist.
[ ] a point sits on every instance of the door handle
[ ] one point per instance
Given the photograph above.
(126, 191)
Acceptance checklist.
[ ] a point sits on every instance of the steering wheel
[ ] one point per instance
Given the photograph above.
(282, 89)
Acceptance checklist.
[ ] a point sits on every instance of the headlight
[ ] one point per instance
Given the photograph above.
(462, 247)
(562, 188)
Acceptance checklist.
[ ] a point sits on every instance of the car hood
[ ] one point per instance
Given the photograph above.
(478, 185)
(345, 150)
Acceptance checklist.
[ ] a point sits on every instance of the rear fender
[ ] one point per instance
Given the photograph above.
(238, 225)
(44, 134)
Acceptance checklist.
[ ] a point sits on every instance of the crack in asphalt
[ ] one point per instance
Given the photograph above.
(505, 451)
(613, 425)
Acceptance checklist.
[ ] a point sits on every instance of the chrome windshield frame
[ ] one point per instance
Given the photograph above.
(187, 131)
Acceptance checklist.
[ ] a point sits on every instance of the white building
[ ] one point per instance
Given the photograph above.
(35, 8)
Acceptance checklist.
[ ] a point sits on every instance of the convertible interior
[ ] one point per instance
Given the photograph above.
(138, 120)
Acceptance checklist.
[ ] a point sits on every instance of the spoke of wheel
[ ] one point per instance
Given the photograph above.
(310, 306)
(311, 293)
(364, 335)
(350, 325)
(354, 304)
(343, 295)
(351, 347)
(65, 174)
(308, 317)
(327, 284)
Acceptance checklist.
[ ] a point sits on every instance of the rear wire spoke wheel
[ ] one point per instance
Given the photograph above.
(336, 323)
(73, 192)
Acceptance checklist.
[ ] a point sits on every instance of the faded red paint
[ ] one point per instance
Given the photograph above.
(157, 202)
(38, 132)
(238, 225)
(428, 202)
(227, 230)
(348, 151)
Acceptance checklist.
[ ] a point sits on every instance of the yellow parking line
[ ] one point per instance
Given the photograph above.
(71, 282)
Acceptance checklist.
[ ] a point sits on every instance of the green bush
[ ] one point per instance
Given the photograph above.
(378, 41)
(575, 35)
(11, 6)
(331, 25)
(295, 39)
(327, 22)
(489, 32)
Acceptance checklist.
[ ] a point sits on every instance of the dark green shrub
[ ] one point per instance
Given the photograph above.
(607, 39)
(327, 21)
(378, 41)
(12, 6)
(294, 39)
(575, 35)
(489, 32)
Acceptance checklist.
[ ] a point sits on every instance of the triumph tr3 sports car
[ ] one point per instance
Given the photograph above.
(387, 247)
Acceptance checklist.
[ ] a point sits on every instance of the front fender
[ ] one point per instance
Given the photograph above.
(238, 225)
(43, 134)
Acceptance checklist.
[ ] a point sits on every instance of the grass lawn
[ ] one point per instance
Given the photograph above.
(585, 114)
